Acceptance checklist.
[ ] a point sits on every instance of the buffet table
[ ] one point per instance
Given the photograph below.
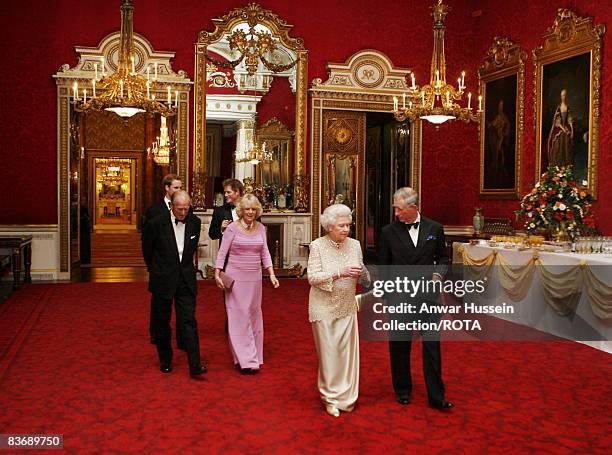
(568, 295)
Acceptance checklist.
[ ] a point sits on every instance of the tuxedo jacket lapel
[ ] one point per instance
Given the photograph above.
(424, 231)
(191, 229)
(404, 236)
(170, 236)
(228, 212)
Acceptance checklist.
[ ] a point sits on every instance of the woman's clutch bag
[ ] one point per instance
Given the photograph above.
(227, 280)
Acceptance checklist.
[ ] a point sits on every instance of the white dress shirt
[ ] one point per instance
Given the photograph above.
(234, 214)
(168, 202)
(414, 232)
(179, 235)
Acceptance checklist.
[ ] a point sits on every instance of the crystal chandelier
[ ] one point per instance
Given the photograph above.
(438, 101)
(252, 41)
(161, 147)
(255, 154)
(112, 171)
(125, 92)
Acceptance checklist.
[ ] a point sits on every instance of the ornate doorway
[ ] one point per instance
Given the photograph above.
(375, 154)
(80, 134)
(114, 193)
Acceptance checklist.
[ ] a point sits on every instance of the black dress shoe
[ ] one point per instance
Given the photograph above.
(403, 399)
(165, 368)
(249, 370)
(197, 371)
(442, 405)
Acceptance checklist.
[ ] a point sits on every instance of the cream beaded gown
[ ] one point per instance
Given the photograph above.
(333, 314)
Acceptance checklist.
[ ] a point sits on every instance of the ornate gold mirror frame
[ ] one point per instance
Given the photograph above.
(253, 13)
(501, 80)
(569, 61)
(279, 141)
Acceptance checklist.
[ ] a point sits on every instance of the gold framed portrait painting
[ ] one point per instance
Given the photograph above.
(502, 87)
(567, 94)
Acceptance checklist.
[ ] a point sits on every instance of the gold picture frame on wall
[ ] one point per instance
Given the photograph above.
(502, 87)
(279, 141)
(567, 95)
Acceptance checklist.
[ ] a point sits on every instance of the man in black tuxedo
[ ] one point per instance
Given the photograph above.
(417, 244)
(225, 214)
(172, 183)
(169, 242)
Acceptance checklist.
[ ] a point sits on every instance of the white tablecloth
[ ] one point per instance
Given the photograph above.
(533, 310)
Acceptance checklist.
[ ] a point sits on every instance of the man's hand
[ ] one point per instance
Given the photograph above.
(225, 224)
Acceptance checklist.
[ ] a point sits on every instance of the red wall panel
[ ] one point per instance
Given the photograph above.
(525, 25)
(35, 43)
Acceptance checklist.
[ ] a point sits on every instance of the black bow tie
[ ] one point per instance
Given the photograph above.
(412, 225)
(177, 221)
(231, 205)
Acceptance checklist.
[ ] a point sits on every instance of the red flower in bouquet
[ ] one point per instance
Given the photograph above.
(556, 201)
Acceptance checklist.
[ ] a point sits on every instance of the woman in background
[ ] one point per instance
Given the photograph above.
(561, 136)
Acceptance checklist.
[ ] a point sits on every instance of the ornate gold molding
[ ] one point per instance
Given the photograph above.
(83, 72)
(504, 58)
(571, 36)
(63, 156)
(348, 87)
(366, 71)
(280, 29)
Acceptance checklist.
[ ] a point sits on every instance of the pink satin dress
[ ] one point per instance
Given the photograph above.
(246, 253)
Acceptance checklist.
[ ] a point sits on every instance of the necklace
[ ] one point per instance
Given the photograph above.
(336, 245)
(247, 227)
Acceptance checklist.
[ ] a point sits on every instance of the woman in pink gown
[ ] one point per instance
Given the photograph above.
(244, 244)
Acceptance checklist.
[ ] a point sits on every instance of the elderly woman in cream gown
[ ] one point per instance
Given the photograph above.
(335, 265)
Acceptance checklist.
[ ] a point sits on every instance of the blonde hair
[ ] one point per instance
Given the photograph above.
(249, 201)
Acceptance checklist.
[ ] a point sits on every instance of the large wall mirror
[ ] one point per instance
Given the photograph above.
(251, 96)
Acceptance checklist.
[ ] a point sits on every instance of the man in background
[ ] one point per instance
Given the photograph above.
(172, 183)
(233, 190)
(225, 214)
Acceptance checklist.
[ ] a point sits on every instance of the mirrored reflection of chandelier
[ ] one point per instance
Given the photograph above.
(161, 147)
(255, 154)
(112, 171)
(252, 41)
(438, 101)
(124, 92)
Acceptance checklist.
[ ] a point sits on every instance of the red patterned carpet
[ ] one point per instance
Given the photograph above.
(75, 360)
